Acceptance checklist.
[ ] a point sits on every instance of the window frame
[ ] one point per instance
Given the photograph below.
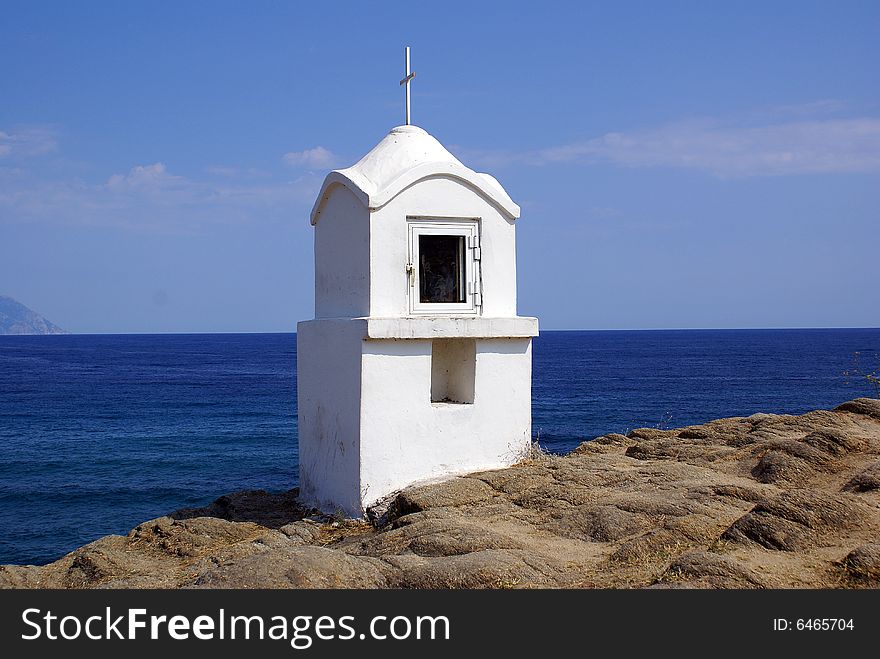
(469, 228)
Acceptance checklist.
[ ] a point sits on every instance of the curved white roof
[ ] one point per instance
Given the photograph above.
(404, 157)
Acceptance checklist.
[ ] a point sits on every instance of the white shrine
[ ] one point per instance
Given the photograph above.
(416, 366)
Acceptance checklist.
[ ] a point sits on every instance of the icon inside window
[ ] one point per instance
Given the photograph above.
(442, 276)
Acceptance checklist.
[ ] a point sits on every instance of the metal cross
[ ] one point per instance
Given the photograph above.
(405, 82)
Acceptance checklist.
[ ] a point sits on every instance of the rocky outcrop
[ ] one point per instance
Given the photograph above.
(757, 502)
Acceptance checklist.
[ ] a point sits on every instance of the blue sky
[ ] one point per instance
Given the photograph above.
(679, 164)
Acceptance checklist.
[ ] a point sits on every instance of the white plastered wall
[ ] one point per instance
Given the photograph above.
(440, 197)
(405, 438)
(329, 408)
(342, 257)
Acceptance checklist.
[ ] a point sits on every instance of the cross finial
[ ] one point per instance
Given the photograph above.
(405, 83)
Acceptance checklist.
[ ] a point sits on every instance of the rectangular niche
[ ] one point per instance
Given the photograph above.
(453, 369)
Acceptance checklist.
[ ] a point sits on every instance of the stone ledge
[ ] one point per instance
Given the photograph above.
(438, 327)
(478, 327)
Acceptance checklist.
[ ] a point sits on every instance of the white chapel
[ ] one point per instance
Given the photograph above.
(416, 366)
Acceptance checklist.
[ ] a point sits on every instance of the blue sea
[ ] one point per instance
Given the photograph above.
(102, 432)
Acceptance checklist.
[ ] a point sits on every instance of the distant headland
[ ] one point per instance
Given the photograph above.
(15, 318)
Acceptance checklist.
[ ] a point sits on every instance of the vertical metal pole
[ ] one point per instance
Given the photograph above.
(407, 86)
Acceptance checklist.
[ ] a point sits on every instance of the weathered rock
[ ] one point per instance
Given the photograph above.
(794, 520)
(706, 506)
(834, 442)
(304, 532)
(489, 568)
(652, 547)
(695, 432)
(865, 481)
(434, 533)
(743, 493)
(258, 506)
(710, 570)
(96, 563)
(867, 406)
(597, 523)
(650, 433)
(454, 493)
(612, 439)
(775, 466)
(863, 563)
(22, 576)
(294, 567)
(191, 537)
(674, 448)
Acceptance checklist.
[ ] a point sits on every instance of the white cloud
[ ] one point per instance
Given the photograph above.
(818, 146)
(236, 172)
(812, 110)
(148, 197)
(27, 141)
(143, 176)
(152, 199)
(803, 147)
(317, 158)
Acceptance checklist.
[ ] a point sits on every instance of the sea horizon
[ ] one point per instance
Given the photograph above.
(549, 329)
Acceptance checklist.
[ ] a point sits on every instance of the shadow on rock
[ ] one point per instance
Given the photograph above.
(272, 510)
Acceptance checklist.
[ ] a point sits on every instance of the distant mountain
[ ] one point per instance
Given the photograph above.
(15, 318)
